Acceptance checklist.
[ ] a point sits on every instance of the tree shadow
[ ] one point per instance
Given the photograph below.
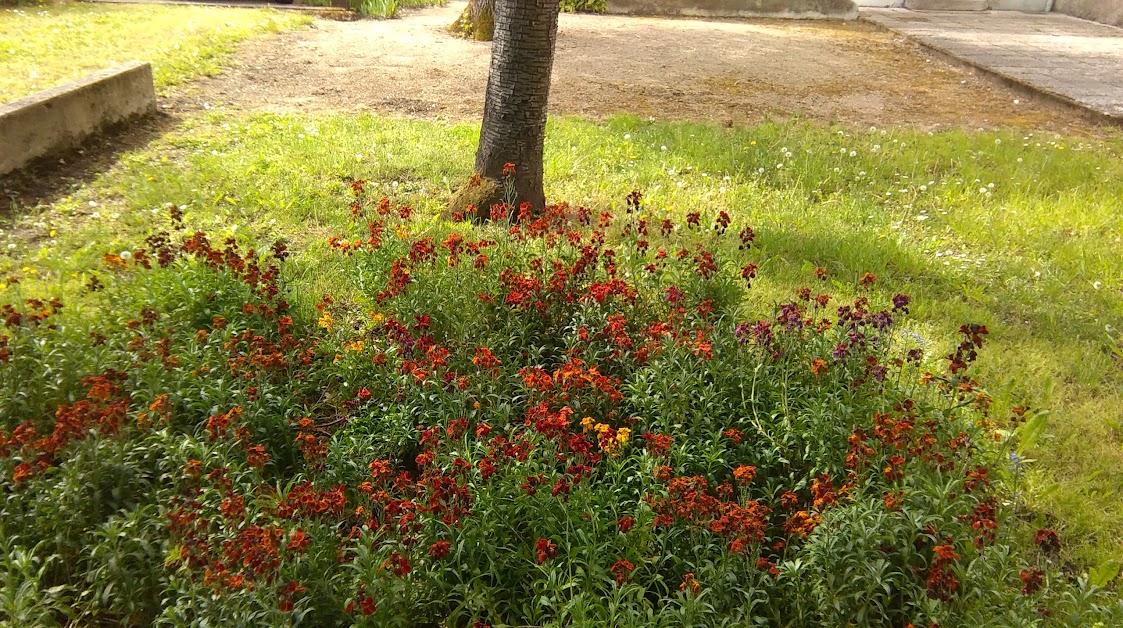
(52, 177)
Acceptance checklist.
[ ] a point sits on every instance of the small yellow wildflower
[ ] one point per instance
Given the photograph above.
(326, 321)
(622, 435)
(355, 346)
(587, 424)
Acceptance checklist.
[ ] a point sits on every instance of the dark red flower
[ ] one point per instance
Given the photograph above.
(545, 550)
(439, 549)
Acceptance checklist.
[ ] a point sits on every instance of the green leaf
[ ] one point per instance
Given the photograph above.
(1105, 572)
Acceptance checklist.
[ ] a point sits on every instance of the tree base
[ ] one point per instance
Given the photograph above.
(481, 196)
(480, 29)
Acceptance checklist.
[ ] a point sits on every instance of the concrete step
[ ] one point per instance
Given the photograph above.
(946, 5)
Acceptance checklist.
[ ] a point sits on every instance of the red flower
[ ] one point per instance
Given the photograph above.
(625, 523)
(367, 606)
(1031, 580)
(508, 169)
(622, 569)
(1047, 540)
(658, 444)
(545, 550)
(764, 564)
(398, 564)
(439, 549)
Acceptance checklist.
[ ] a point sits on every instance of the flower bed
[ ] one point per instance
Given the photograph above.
(563, 422)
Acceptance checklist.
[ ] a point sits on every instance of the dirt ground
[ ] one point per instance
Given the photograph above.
(729, 71)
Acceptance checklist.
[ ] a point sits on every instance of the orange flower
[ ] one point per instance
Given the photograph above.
(893, 501)
(298, 542)
(21, 472)
(818, 366)
(945, 553)
(688, 582)
(256, 456)
(485, 359)
(744, 474)
(802, 523)
(380, 469)
(193, 468)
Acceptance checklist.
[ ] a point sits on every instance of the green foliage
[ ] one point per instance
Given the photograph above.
(583, 6)
(389, 8)
(573, 421)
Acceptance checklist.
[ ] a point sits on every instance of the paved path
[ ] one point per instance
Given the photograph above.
(1077, 61)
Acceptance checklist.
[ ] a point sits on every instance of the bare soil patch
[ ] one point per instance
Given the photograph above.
(730, 71)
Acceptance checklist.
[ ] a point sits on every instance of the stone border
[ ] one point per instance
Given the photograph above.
(62, 117)
(790, 9)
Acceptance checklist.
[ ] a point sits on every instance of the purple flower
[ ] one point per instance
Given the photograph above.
(790, 316)
(881, 320)
(901, 302)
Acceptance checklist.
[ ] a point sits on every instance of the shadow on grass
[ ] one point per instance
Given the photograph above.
(52, 177)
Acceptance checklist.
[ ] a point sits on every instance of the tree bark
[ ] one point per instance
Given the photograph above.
(477, 21)
(514, 123)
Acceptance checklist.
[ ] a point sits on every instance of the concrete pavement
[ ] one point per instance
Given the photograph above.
(1073, 60)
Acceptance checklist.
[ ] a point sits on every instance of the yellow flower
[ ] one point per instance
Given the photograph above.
(622, 435)
(587, 423)
(356, 346)
(326, 321)
(377, 318)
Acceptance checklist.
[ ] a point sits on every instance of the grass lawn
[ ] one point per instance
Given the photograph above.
(1020, 232)
(43, 46)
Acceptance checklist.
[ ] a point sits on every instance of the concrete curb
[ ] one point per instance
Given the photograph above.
(787, 9)
(62, 117)
(327, 13)
(1010, 80)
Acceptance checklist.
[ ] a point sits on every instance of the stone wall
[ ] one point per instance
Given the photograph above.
(803, 9)
(1106, 11)
(62, 117)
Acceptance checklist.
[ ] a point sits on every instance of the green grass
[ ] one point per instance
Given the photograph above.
(390, 8)
(1019, 232)
(43, 46)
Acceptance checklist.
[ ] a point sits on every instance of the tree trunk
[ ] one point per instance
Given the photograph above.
(477, 21)
(514, 124)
